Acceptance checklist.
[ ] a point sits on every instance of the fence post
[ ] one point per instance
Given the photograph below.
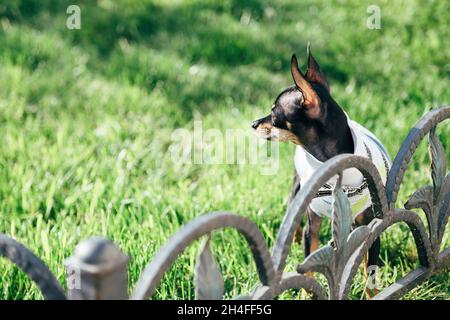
(97, 271)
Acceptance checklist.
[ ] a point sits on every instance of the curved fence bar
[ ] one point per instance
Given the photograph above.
(301, 201)
(418, 230)
(32, 266)
(377, 226)
(201, 226)
(292, 280)
(402, 286)
(409, 146)
(298, 281)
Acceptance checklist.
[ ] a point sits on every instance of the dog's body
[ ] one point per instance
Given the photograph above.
(353, 183)
(308, 116)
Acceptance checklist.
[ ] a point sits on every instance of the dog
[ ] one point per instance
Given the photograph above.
(307, 115)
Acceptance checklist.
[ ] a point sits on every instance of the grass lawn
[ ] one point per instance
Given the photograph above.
(86, 120)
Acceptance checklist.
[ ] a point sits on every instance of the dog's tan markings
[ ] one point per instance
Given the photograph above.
(286, 135)
(314, 244)
(298, 235)
(266, 130)
(294, 139)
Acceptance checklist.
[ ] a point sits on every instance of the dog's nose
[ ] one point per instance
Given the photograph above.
(256, 123)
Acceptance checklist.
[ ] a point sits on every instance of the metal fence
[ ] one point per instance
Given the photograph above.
(98, 268)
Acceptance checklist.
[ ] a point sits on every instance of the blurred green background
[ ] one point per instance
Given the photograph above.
(86, 118)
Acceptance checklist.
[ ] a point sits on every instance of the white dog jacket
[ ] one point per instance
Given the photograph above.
(353, 182)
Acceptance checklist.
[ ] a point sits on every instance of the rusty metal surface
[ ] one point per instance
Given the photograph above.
(32, 266)
(97, 271)
(291, 280)
(338, 261)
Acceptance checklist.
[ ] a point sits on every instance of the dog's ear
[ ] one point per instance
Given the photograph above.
(314, 73)
(311, 100)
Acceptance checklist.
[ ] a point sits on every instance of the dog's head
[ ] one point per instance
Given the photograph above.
(298, 110)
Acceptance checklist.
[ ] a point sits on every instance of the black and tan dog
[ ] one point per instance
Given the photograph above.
(308, 116)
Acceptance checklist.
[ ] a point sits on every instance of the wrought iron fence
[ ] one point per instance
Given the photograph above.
(98, 269)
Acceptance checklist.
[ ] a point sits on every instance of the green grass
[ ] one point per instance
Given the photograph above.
(86, 118)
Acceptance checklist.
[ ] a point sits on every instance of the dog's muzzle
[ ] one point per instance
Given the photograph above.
(256, 123)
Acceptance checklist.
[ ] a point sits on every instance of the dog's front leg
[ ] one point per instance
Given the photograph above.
(372, 257)
(294, 190)
(311, 234)
(295, 187)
